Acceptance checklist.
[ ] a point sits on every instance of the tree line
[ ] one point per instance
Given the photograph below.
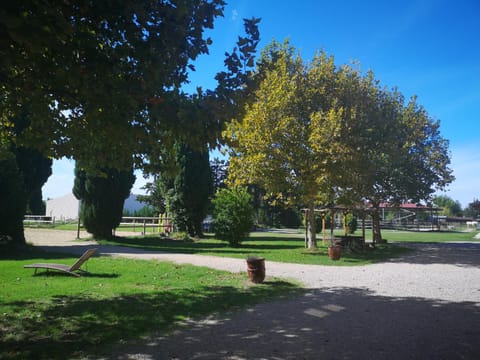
(102, 84)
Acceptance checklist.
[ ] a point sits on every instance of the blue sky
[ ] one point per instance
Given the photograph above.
(428, 48)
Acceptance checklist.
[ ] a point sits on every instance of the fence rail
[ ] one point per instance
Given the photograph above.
(38, 219)
(163, 224)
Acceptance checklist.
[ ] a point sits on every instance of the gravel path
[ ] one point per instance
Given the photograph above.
(425, 305)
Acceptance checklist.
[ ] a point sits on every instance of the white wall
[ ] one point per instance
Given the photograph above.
(67, 207)
(63, 208)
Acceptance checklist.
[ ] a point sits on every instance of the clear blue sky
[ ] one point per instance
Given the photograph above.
(428, 48)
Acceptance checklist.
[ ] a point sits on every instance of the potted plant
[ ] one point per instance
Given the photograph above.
(334, 250)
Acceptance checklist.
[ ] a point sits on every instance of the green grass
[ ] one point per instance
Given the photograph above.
(427, 236)
(273, 246)
(58, 316)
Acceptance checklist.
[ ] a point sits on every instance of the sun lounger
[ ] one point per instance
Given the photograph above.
(65, 268)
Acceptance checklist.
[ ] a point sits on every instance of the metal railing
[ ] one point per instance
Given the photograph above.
(38, 219)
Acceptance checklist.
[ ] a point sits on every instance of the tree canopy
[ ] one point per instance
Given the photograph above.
(449, 206)
(318, 134)
(102, 198)
(99, 77)
(187, 192)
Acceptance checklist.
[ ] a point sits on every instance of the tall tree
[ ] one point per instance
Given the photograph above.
(320, 134)
(391, 151)
(23, 174)
(102, 195)
(14, 199)
(285, 143)
(473, 209)
(187, 193)
(420, 158)
(201, 117)
(449, 206)
(36, 205)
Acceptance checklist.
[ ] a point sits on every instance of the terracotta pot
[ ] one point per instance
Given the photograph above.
(256, 269)
(334, 252)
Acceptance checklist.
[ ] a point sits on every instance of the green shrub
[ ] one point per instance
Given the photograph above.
(352, 223)
(232, 215)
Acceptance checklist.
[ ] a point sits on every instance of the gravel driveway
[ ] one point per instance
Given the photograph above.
(425, 305)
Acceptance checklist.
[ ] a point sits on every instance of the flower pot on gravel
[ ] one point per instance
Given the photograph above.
(334, 252)
(256, 269)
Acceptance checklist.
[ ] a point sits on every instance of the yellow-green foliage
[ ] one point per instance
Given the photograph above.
(316, 133)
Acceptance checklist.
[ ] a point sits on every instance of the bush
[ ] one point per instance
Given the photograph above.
(352, 223)
(232, 215)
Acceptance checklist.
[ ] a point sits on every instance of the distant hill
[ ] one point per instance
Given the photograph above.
(132, 204)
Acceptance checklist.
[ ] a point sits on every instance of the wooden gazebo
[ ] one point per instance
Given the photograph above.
(344, 210)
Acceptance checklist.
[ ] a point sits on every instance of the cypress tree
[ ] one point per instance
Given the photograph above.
(22, 175)
(14, 200)
(102, 197)
(187, 193)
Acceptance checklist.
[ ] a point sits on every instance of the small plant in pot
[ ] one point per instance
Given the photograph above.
(334, 250)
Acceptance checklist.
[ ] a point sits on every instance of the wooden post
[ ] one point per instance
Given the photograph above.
(345, 227)
(363, 226)
(306, 228)
(323, 227)
(332, 223)
(78, 227)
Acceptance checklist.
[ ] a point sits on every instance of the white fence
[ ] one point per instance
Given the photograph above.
(38, 220)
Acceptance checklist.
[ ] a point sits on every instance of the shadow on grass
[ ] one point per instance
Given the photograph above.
(74, 327)
(54, 273)
(28, 252)
(207, 245)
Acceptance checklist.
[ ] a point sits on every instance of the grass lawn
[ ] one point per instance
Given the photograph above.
(273, 246)
(428, 236)
(57, 316)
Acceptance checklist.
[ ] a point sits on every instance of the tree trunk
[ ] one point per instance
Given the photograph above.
(377, 234)
(311, 233)
(13, 202)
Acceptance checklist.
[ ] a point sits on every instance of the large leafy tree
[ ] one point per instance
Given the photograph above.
(286, 140)
(320, 134)
(182, 172)
(449, 206)
(102, 195)
(473, 209)
(99, 77)
(396, 153)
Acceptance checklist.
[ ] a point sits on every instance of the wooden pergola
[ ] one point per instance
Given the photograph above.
(362, 211)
